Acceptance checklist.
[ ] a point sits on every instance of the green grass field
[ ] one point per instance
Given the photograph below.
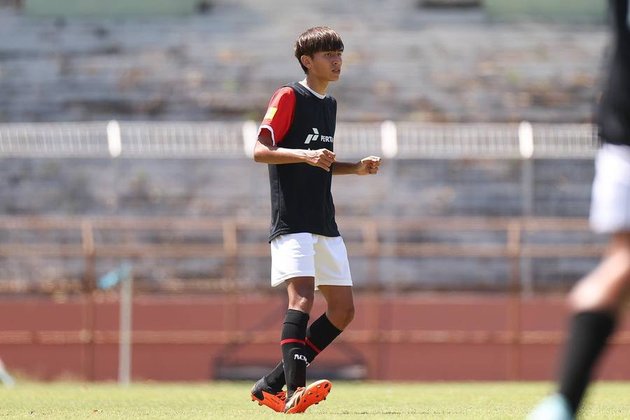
(347, 400)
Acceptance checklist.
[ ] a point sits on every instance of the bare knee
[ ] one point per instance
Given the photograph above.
(301, 292)
(606, 287)
(575, 301)
(302, 302)
(341, 317)
(340, 302)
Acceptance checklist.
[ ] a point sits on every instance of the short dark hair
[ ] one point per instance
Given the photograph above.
(314, 40)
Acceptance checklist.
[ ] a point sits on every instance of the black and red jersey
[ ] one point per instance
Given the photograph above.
(613, 112)
(301, 198)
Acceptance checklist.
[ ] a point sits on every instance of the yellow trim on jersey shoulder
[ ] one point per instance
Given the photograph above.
(271, 111)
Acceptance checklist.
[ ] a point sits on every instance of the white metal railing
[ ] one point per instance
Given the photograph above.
(578, 139)
(54, 139)
(458, 140)
(401, 140)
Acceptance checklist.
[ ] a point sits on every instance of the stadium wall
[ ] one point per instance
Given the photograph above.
(199, 338)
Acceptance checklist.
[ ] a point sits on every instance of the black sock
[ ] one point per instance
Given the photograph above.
(588, 335)
(293, 357)
(318, 336)
(275, 378)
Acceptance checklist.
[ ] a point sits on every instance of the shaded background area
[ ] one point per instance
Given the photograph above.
(404, 60)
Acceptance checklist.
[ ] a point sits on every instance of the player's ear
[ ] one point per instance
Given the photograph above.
(306, 61)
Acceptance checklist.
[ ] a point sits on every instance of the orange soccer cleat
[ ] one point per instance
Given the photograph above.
(303, 398)
(264, 395)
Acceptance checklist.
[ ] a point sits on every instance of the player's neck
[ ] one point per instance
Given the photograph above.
(318, 85)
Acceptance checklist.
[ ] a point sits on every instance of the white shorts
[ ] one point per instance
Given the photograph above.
(309, 255)
(610, 202)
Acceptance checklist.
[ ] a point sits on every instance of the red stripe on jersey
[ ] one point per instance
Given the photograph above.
(280, 113)
(291, 340)
(311, 345)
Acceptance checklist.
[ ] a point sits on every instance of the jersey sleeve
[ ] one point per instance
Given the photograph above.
(279, 114)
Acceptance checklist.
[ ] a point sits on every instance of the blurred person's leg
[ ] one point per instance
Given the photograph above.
(595, 304)
(596, 300)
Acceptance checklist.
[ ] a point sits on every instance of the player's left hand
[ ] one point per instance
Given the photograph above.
(368, 165)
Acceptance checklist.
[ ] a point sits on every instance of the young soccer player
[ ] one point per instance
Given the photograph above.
(597, 300)
(296, 140)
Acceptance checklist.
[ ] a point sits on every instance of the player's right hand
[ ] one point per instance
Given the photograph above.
(322, 158)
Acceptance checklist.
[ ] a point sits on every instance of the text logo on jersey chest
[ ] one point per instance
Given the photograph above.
(316, 136)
